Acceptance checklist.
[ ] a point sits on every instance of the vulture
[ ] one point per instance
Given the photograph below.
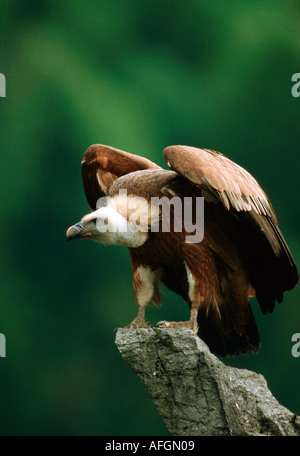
(240, 254)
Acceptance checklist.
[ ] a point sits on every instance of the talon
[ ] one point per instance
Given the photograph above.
(139, 321)
(161, 322)
(179, 324)
(135, 324)
(167, 324)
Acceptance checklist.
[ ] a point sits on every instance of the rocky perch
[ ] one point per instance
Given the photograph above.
(195, 393)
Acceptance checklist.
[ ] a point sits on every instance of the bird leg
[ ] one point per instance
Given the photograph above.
(189, 324)
(140, 320)
(145, 290)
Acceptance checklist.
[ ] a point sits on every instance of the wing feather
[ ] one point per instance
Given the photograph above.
(248, 216)
(102, 165)
(233, 185)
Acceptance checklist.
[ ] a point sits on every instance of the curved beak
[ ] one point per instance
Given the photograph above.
(75, 231)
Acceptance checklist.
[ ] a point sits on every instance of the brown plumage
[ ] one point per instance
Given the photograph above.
(242, 253)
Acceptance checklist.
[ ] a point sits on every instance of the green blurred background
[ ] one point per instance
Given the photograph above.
(138, 76)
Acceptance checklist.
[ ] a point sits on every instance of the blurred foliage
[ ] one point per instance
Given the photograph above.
(138, 76)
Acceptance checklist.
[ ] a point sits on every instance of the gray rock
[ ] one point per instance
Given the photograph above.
(195, 393)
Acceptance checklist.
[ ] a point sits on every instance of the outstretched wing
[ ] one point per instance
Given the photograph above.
(263, 250)
(102, 165)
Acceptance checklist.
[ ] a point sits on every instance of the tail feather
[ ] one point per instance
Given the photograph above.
(267, 258)
(229, 343)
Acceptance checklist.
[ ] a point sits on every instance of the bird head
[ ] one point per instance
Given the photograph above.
(107, 226)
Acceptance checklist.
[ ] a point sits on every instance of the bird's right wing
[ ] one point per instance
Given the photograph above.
(102, 165)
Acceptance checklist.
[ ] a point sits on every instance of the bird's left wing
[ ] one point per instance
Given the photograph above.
(102, 165)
